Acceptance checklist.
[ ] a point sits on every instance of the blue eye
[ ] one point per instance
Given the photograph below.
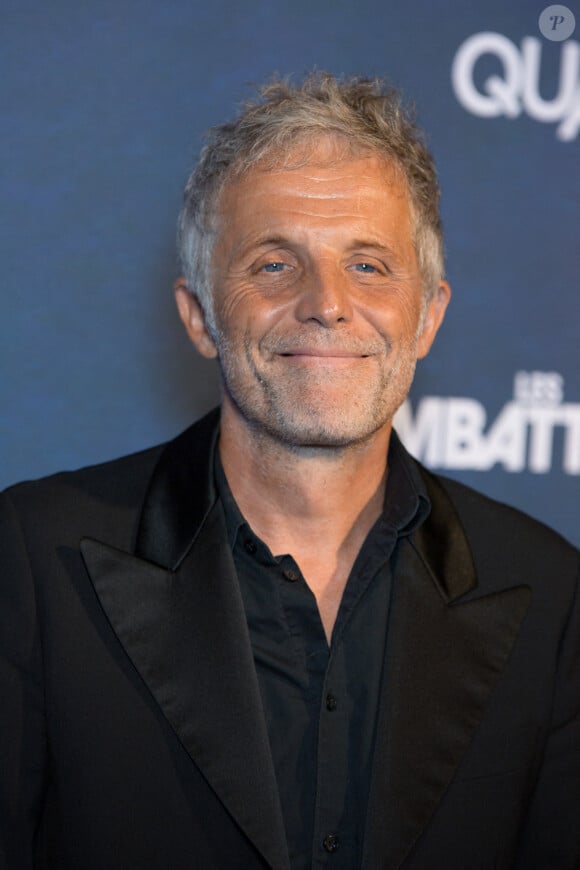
(273, 267)
(365, 267)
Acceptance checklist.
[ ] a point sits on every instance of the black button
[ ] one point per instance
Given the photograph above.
(331, 703)
(250, 546)
(330, 842)
(291, 575)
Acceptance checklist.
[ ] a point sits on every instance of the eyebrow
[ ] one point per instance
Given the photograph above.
(374, 243)
(265, 241)
(268, 241)
(279, 241)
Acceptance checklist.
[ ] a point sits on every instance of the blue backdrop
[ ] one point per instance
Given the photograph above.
(103, 114)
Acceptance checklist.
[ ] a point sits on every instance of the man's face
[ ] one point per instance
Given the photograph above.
(318, 300)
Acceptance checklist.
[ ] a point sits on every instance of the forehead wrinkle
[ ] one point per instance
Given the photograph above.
(346, 205)
(360, 194)
(318, 168)
(358, 183)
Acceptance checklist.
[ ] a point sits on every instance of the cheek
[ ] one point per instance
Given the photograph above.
(240, 307)
(398, 317)
(231, 302)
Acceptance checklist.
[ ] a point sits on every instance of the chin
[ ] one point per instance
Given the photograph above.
(316, 433)
(303, 417)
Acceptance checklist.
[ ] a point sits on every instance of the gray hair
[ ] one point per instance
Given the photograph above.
(363, 114)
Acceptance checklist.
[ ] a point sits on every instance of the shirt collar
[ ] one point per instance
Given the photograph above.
(406, 504)
(405, 508)
(234, 519)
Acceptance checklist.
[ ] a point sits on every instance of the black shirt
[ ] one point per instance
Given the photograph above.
(321, 702)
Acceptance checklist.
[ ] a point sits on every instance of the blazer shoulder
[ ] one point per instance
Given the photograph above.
(501, 533)
(117, 480)
(102, 501)
(108, 501)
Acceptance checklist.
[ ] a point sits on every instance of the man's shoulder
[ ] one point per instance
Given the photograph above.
(122, 479)
(102, 501)
(495, 529)
(106, 501)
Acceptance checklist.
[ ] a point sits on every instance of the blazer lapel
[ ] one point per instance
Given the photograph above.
(177, 610)
(443, 658)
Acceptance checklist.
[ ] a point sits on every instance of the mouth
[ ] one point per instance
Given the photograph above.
(323, 358)
(323, 353)
(330, 355)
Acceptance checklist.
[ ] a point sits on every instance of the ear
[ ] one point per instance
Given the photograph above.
(433, 318)
(193, 319)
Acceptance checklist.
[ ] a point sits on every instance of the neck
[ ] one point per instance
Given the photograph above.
(317, 504)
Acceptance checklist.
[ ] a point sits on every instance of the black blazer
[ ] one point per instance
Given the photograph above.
(131, 728)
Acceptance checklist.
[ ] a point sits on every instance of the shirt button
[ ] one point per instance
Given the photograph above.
(330, 842)
(249, 546)
(331, 703)
(291, 575)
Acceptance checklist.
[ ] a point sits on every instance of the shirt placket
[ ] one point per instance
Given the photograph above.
(333, 831)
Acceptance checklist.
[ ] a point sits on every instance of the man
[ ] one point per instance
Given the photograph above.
(277, 641)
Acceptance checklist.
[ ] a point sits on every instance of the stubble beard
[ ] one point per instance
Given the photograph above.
(297, 412)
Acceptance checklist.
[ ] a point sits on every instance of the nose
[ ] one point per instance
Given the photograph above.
(325, 297)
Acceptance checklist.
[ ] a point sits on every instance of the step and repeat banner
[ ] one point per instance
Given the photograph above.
(103, 110)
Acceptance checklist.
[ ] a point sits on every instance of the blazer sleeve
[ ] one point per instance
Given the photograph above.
(552, 832)
(22, 721)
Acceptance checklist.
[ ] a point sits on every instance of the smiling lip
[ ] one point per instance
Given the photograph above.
(336, 359)
(327, 353)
